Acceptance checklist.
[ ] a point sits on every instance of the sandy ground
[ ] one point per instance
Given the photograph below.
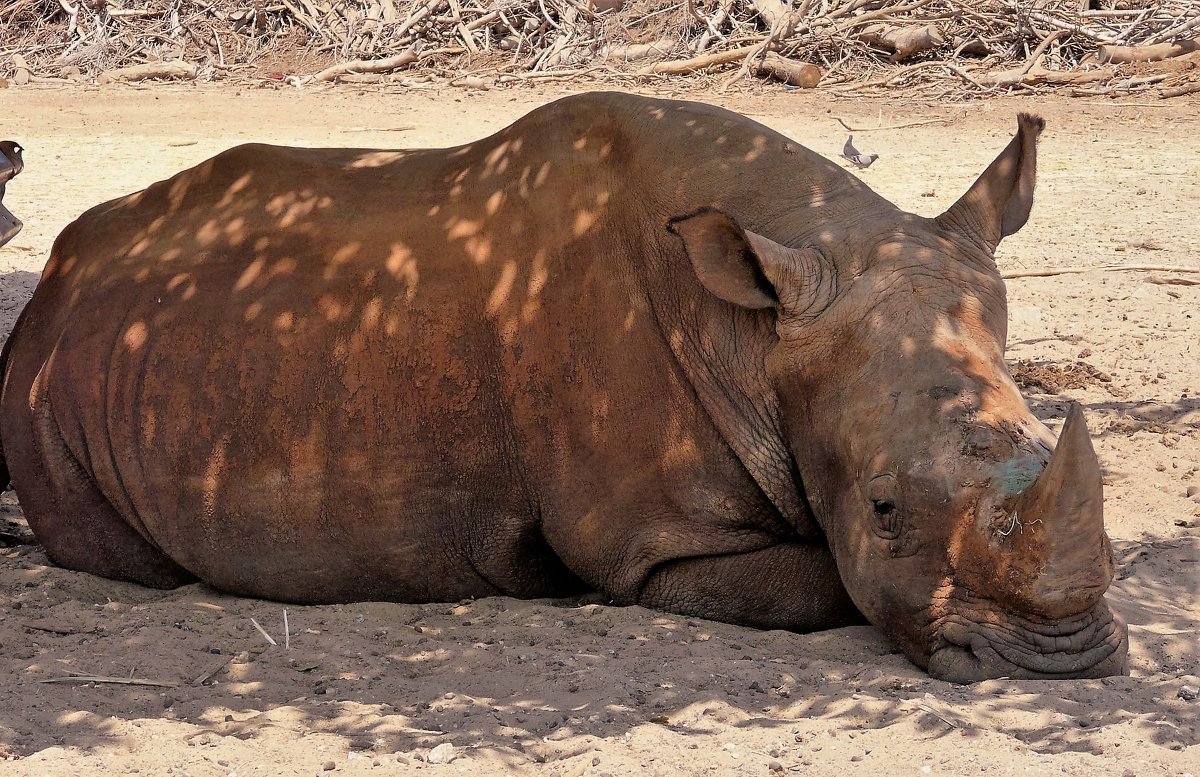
(580, 688)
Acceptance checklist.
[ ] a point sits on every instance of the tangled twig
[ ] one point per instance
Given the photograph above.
(859, 46)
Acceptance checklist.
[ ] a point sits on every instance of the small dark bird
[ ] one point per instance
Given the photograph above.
(856, 157)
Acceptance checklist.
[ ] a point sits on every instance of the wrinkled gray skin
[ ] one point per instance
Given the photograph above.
(646, 347)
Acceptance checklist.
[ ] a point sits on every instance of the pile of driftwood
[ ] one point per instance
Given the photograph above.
(944, 47)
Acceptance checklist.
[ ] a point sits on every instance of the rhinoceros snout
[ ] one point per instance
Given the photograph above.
(1093, 645)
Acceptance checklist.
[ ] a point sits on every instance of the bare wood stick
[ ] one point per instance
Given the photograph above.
(1179, 91)
(1124, 86)
(484, 20)
(470, 82)
(203, 677)
(891, 77)
(903, 42)
(634, 51)
(789, 71)
(1048, 271)
(120, 13)
(1174, 32)
(86, 678)
(287, 632)
(714, 27)
(464, 33)
(304, 19)
(1040, 76)
(544, 75)
(401, 128)
(944, 120)
(415, 18)
(170, 69)
(939, 716)
(783, 23)
(776, 14)
(1158, 279)
(692, 64)
(968, 77)
(1120, 55)
(1069, 27)
(54, 628)
(263, 631)
(881, 13)
(1036, 57)
(220, 52)
(385, 65)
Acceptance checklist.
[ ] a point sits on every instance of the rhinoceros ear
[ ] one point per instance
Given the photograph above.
(724, 259)
(998, 203)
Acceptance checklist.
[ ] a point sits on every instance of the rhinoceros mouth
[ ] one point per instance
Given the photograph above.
(1092, 644)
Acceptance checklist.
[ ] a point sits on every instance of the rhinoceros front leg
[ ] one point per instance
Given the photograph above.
(786, 586)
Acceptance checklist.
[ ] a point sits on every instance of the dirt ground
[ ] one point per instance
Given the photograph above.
(499, 686)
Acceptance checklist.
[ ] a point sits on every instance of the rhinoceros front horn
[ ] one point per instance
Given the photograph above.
(1062, 518)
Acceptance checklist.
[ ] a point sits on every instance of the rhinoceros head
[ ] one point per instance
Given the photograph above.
(959, 525)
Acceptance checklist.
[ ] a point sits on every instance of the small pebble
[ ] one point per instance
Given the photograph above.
(329, 766)
(442, 754)
(775, 766)
(1189, 693)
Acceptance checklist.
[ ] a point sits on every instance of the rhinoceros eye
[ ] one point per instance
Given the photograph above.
(888, 524)
(882, 493)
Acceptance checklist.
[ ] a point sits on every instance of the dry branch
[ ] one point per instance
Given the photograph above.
(636, 51)
(1120, 55)
(1039, 76)
(863, 46)
(776, 14)
(946, 119)
(87, 678)
(789, 71)
(1161, 281)
(903, 42)
(1049, 271)
(1180, 91)
(166, 70)
(680, 66)
(385, 65)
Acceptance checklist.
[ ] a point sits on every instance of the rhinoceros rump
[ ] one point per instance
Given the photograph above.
(646, 347)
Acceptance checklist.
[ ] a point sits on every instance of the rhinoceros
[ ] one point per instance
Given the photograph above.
(642, 347)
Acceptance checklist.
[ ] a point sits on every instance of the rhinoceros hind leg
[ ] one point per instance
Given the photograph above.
(786, 586)
(76, 524)
(90, 536)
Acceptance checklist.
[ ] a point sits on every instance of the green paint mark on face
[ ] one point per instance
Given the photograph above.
(1016, 475)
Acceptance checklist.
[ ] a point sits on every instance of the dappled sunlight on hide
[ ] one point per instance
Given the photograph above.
(374, 159)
